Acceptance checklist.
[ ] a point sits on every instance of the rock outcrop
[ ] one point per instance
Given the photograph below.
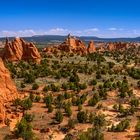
(111, 46)
(91, 47)
(76, 46)
(71, 45)
(19, 49)
(117, 46)
(8, 91)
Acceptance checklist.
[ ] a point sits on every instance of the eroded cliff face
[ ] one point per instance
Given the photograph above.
(8, 91)
(19, 49)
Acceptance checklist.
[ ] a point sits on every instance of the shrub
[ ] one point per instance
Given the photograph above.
(82, 116)
(99, 120)
(137, 127)
(74, 78)
(94, 100)
(59, 116)
(71, 123)
(22, 85)
(68, 111)
(94, 82)
(120, 127)
(29, 78)
(32, 97)
(92, 134)
(138, 84)
(48, 100)
(46, 88)
(50, 108)
(55, 88)
(91, 118)
(83, 86)
(28, 117)
(23, 130)
(65, 86)
(37, 98)
(26, 104)
(17, 102)
(67, 95)
(134, 102)
(79, 107)
(35, 86)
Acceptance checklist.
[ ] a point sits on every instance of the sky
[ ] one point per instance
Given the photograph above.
(101, 18)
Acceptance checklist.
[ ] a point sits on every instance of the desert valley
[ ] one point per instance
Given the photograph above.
(69, 91)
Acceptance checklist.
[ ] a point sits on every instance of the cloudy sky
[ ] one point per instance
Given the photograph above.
(102, 18)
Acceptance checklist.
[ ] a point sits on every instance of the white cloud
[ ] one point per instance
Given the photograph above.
(54, 31)
(92, 30)
(136, 32)
(112, 29)
(57, 31)
(86, 32)
(22, 33)
(31, 32)
(111, 32)
(121, 29)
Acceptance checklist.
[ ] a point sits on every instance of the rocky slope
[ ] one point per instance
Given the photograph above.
(19, 49)
(8, 91)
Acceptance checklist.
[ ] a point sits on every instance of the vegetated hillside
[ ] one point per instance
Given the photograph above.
(68, 96)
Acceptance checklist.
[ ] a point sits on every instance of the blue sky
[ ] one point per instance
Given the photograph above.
(102, 18)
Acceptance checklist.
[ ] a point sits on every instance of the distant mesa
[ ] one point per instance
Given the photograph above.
(18, 49)
(8, 91)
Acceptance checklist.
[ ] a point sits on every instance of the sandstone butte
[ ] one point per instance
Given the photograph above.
(18, 49)
(8, 91)
(72, 45)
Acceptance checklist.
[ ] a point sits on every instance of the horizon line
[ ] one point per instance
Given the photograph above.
(39, 35)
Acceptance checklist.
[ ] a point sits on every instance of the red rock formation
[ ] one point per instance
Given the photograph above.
(111, 46)
(8, 91)
(117, 46)
(18, 49)
(71, 45)
(101, 49)
(91, 47)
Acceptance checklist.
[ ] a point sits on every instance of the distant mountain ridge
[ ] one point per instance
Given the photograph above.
(58, 38)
